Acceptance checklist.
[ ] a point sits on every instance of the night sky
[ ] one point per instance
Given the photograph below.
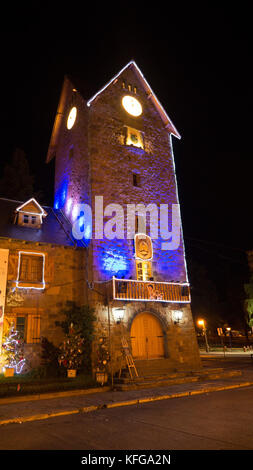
(198, 62)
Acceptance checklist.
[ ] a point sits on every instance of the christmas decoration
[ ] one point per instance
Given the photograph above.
(103, 355)
(13, 350)
(72, 350)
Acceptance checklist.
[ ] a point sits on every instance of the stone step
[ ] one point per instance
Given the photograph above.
(159, 381)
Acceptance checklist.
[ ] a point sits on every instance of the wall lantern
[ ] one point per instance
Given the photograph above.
(118, 314)
(177, 316)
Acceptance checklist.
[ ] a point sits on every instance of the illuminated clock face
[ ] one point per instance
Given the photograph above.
(71, 117)
(132, 105)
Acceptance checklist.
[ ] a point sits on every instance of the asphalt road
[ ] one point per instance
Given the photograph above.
(219, 420)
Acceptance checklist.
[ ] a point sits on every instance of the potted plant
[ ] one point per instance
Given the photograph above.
(71, 352)
(102, 361)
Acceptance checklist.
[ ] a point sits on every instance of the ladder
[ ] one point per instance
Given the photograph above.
(129, 358)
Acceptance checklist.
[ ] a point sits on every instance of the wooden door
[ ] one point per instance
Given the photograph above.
(147, 337)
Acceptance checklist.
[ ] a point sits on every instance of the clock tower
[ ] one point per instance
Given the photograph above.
(115, 180)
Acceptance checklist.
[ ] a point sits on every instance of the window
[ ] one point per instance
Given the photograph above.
(28, 326)
(33, 329)
(31, 268)
(136, 180)
(134, 137)
(71, 152)
(29, 214)
(144, 270)
(30, 220)
(20, 326)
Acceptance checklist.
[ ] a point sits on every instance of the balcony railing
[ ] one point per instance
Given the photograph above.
(128, 289)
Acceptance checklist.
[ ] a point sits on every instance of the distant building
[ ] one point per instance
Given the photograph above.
(250, 260)
(115, 148)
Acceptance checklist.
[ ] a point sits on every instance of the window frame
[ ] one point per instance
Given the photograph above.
(146, 270)
(30, 280)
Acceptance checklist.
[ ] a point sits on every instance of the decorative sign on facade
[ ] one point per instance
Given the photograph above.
(143, 247)
(3, 280)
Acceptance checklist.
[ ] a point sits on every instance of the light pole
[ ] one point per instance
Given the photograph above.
(230, 337)
(202, 325)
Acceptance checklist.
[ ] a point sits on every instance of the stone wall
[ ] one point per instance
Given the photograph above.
(65, 281)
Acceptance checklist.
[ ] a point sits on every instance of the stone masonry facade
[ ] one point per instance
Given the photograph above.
(92, 159)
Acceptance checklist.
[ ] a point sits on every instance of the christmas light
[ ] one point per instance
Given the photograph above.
(43, 270)
(174, 167)
(13, 346)
(40, 215)
(151, 95)
(181, 284)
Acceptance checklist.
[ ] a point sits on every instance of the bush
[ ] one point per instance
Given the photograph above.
(50, 366)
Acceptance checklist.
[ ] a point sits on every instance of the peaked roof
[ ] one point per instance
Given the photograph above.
(56, 228)
(68, 86)
(32, 207)
(151, 95)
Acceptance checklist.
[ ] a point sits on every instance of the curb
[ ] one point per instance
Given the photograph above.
(47, 396)
(88, 409)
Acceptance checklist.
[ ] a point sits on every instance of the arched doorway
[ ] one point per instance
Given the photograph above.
(147, 337)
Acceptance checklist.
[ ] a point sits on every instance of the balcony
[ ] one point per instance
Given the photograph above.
(128, 289)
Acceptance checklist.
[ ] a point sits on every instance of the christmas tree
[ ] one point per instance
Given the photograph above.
(13, 350)
(72, 350)
(103, 355)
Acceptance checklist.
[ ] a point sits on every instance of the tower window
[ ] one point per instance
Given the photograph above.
(134, 137)
(136, 180)
(71, 152)
(144, 270)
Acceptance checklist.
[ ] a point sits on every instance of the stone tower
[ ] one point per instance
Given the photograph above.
(113, 153)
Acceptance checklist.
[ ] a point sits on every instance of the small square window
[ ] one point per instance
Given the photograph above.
(26, 219)
(134, 137)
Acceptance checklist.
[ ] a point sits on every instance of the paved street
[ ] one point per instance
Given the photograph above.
(219, 420)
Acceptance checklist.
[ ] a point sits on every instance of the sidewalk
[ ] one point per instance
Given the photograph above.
(39, 409)
(227, 353)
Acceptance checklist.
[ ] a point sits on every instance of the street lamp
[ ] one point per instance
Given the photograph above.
(230, 337)
(202, 325)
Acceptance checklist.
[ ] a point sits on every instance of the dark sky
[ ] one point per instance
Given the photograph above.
(198, 62)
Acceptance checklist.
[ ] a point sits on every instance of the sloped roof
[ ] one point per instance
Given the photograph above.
(151, 95)
(31, 206)
(69, 84)
(56, 229)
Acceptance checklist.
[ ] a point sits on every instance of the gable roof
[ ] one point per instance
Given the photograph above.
(56, 228)
(151, 95)
(68, 86)
(32, 207)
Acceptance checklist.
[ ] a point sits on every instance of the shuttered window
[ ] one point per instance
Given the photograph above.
(33, 329)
